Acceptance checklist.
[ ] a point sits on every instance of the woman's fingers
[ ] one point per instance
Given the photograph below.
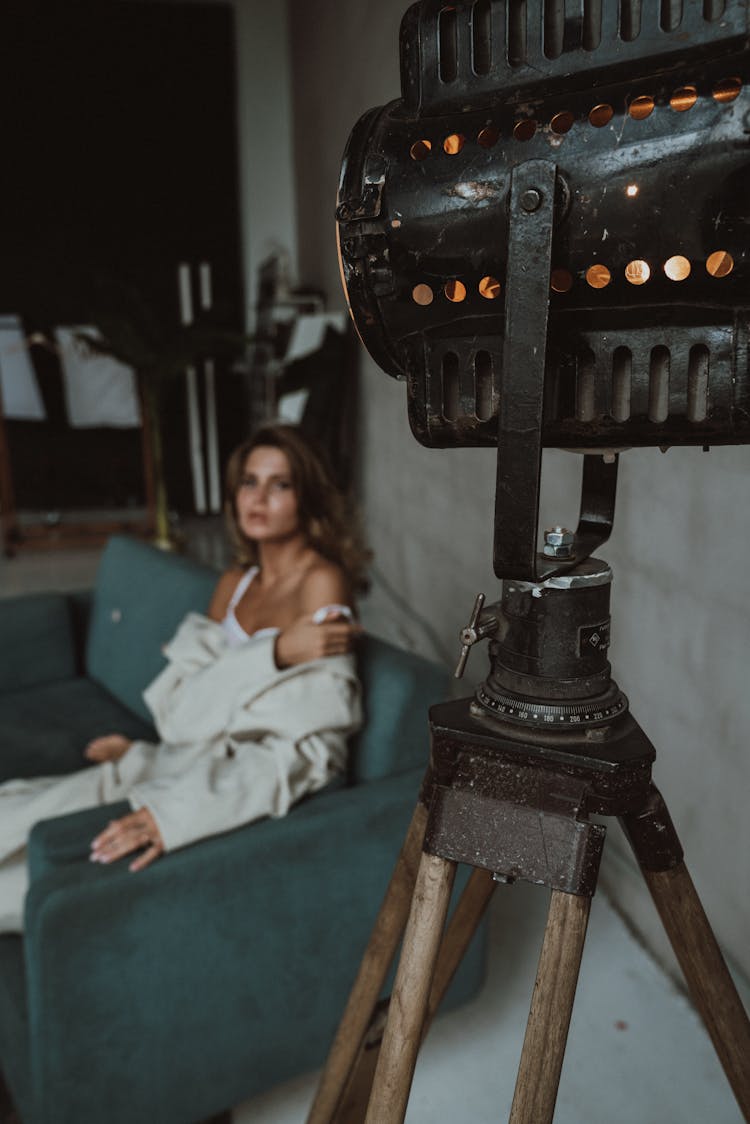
(110, 747)
(146, 858)
(337, 636)
(121, 837)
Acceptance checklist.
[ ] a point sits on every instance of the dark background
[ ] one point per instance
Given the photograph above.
(120, 160)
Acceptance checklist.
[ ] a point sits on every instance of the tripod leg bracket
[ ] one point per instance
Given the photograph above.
(513, 840)
(652, 834)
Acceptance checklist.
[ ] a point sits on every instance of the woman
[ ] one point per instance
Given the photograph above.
(258, 697)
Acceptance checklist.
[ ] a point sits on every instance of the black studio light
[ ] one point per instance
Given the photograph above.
(547, 236)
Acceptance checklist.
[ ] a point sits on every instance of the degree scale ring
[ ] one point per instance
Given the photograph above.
(516, 708)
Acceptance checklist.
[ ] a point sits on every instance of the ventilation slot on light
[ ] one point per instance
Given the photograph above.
(630, 20)
(481, 37)
(670, 16)
(483, 385)
(697, 393)
(658, 385)
(554, 28)
(622, 371)
(450, 386)
(517, 45)
(592, 24)
(448, 45)
(585, 387)
(713, 9)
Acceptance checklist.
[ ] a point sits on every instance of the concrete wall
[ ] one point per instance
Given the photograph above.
(681, 620)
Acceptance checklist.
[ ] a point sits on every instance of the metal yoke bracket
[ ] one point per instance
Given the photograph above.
(521, 395)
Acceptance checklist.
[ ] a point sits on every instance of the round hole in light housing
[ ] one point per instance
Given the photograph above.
(598, 276)
(684, 98)
(677, 268)
(641, 107)
(524, 130)
(727, 89)
(454, 143)
(637, 272)
(562, 122)
(420, 150)
(422, 294)
(720, 263)
(455, 291)
(601, 115)
(489, 288)
(561, 280)
(488, 136)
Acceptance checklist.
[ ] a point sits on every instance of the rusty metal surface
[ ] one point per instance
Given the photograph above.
(521, 808)
(652, 835)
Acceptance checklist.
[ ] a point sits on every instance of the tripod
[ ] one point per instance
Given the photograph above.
(514, 775)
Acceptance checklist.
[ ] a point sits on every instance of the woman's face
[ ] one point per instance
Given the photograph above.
(266, 502)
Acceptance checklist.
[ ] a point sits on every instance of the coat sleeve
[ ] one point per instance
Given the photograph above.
(221, 792)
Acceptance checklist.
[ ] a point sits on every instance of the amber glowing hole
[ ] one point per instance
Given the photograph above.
(562, 122)
(455, 291)
(454, 143)
(684, 98)
(641, 107)
(677, 268)
(420, 149)
(727, 89)
(598, 276)
(489, 288)
(422, 294)
(720, 263)
(637, 272)
(601, 115)
(561, 280)
(524, 130)
(489, 137)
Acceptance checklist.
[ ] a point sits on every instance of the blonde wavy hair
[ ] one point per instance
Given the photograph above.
(329, 525)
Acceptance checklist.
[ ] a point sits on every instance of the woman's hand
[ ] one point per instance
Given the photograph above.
(305, 640)
(110, 747)
(130, 833)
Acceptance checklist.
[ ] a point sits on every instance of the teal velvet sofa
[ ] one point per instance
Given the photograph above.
(172, 994)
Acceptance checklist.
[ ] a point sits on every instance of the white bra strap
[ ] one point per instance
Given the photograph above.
(241, 586)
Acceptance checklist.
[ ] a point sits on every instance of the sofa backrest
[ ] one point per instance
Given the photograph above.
(141, 595)
(398, 687)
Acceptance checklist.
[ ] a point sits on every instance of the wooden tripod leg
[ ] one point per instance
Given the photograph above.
(377, 959)
(551, 1008)
(403, 1032)
(657, 848)
(707, 975)
(461, 928)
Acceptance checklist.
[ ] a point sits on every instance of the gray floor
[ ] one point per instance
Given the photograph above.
(637, 1053)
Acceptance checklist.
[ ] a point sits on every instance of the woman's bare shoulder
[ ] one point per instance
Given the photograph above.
(324, 583)
(223, 591)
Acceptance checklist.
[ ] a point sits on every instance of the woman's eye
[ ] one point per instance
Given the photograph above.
(282, 485)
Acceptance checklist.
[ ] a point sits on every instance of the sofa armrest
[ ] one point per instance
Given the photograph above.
(226, 962)
(37, 640)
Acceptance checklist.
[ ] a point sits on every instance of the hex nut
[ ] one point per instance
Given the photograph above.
(558, 536)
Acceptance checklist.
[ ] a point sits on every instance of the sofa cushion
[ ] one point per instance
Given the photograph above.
(43, 730)
(141, 596)
(398, 687)
(37, 640)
